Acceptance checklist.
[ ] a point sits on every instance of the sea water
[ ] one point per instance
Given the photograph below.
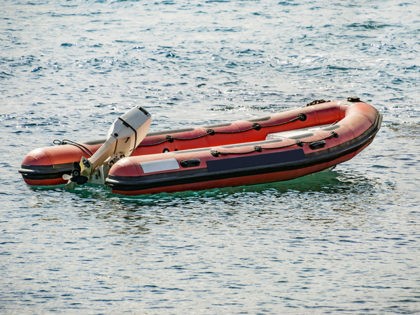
(342, 242)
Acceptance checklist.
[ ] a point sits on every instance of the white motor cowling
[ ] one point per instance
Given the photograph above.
(129, 130)
(125, 134)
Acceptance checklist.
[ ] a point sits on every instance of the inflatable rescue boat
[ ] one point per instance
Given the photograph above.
(278, 147)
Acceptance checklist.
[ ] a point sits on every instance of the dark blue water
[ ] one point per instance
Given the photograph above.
(345, 241)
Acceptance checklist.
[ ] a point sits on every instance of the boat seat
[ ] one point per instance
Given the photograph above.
(297, 133)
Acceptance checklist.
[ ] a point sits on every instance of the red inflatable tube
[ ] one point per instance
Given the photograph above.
(279, 147)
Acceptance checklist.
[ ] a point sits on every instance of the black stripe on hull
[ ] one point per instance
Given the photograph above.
(36, 172)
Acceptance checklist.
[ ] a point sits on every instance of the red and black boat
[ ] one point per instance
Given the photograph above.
(278, 147)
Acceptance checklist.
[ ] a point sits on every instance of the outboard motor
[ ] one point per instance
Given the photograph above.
(125, 134)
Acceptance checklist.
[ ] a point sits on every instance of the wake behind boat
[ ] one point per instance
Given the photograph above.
(278, 147)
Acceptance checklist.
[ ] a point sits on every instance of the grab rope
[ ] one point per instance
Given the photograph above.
(313, 144)
(211, 132)
(316, 102)
(83, 148)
